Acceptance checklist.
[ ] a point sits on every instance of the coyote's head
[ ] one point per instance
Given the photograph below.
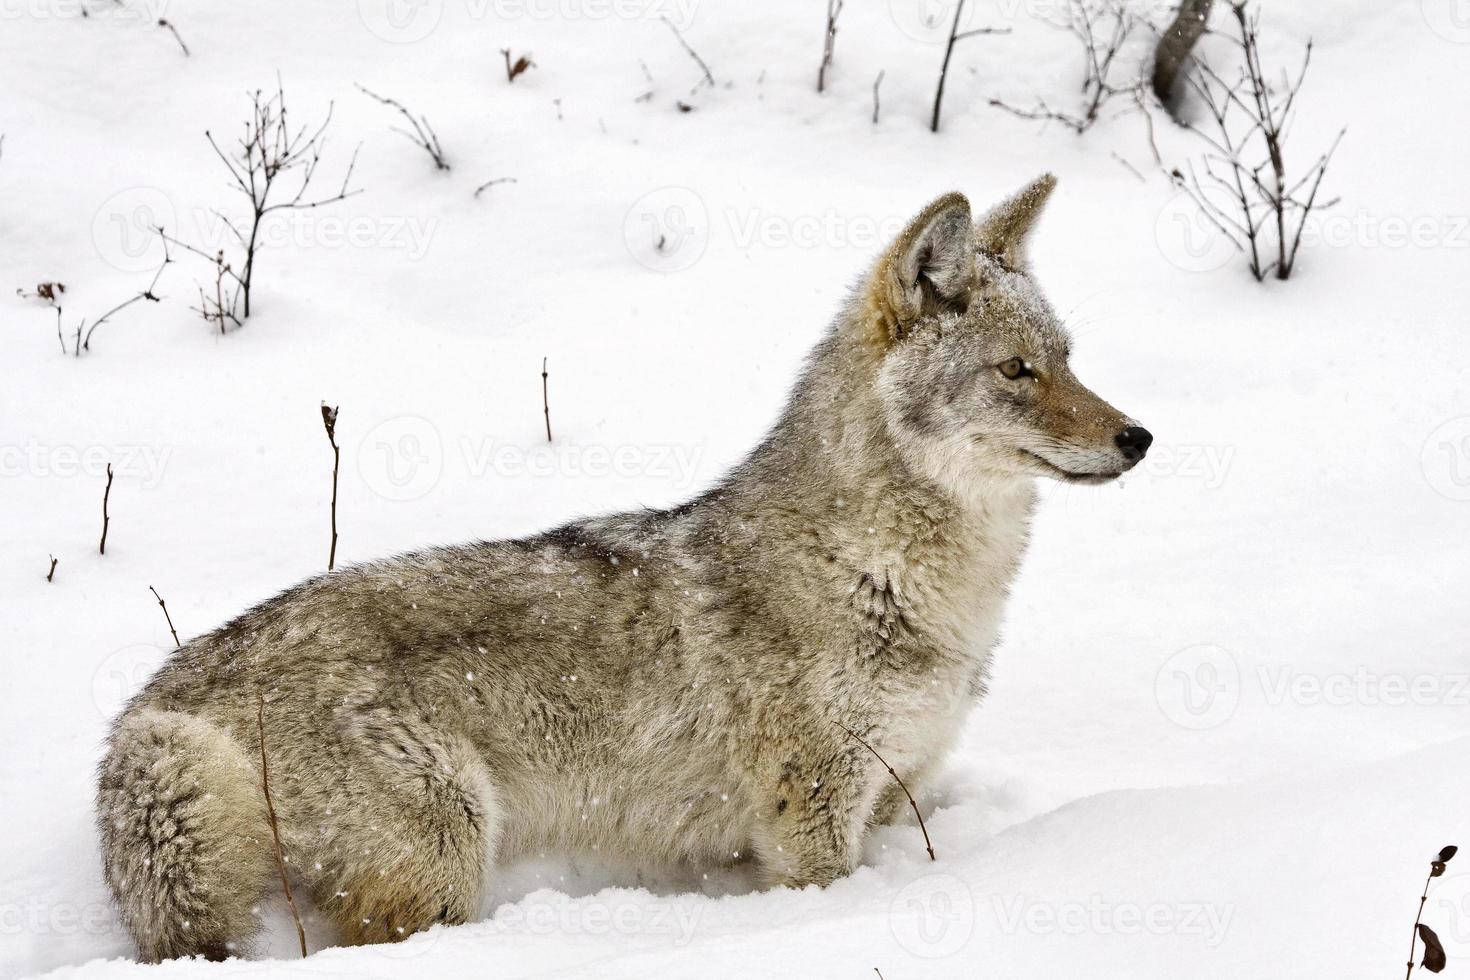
(973, 374)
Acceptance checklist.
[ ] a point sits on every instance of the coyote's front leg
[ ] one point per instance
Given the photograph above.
(816, 800)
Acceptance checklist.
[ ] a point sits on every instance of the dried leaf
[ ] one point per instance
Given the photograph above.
(1447, 852)
(1434, 958)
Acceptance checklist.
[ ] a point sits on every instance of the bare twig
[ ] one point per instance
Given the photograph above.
(829, 40)
(169, 619)
(270, 809)
(175, 31)
(148, 294)
(876, 82)
(51, 572)
(329, 419)
(423, 134)
(491, 183)
(955, 35)
(709, 79)
(545, 400)
(897, 779)
(106, 520)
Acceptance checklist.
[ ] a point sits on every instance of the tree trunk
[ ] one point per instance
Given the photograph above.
(1175, 43)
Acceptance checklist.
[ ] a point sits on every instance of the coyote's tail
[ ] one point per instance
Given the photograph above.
(185, 845)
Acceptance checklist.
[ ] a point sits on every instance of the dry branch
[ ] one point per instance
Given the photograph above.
(829, 40)
(106, 520)
(545, 400)
(270, 809)
(955, 35)
(329, 420)
(167, 618)
(708, 79)
(51, 573)
(423, 135)
(492, 182)
(897, 779)
(175, 32)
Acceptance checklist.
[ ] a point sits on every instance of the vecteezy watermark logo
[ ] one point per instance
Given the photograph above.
(667, 230)
(933, 917)
(1449, 909)
(1198, 687)
(1188, 238)
(1445, 459)
(400, 21)
(1450, 19)
(929, 20)
(1099, 917)
(140, 11)
(123, 230)
(401, 458)
(122, 674)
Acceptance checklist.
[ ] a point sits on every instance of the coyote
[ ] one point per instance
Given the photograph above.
(671, 686)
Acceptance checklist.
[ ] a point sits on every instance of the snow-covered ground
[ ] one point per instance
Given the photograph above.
(1231, 712)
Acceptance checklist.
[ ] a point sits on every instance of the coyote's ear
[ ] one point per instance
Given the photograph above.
(1002, 233)
(930, 268)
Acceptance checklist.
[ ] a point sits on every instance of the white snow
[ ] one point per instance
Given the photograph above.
(1228, 722)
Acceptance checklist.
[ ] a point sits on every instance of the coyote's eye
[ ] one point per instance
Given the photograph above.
(1014, 368)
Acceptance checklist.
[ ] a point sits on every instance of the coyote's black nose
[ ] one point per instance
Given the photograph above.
(1134, 441)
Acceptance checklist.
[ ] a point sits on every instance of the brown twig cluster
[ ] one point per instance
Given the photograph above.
(1242, 184)
(423, 135)
(897, 779)
(955, 36)
(1102, 28)
(272, 165)
(516, 67)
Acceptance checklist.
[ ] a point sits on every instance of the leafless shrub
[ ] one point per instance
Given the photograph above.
(269, 155)
(1102, 28)
(1242, 184)
(955, 36)
(423, 135)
